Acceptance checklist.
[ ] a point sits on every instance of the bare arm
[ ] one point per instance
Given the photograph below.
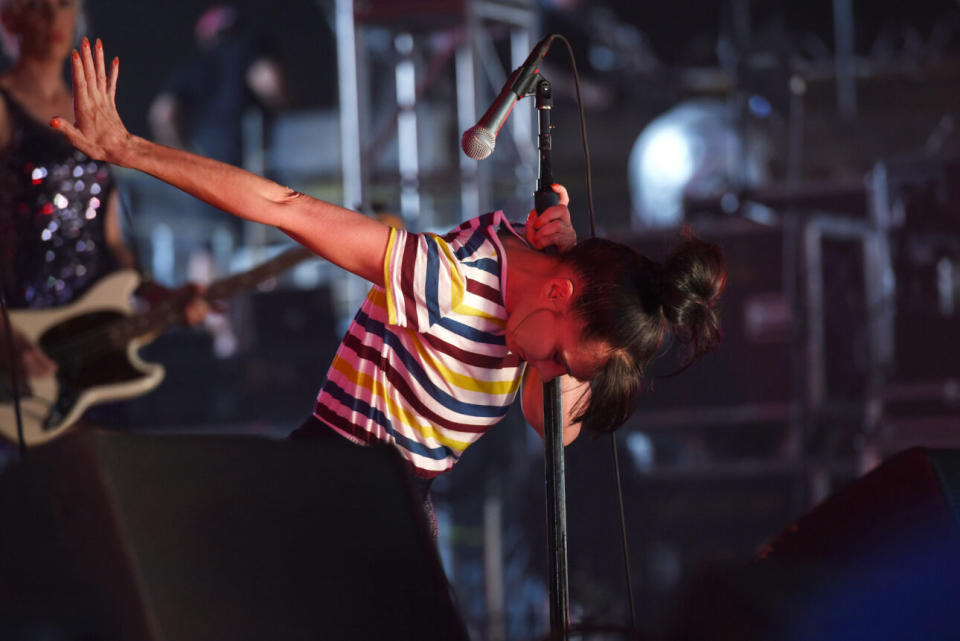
(572, 392)
(345, 238)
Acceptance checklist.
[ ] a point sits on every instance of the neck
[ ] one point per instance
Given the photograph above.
(526, 269)
(38, 77)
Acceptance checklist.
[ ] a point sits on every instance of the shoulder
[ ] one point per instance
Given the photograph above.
(479, 230)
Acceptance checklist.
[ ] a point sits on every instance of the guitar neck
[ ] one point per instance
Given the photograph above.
(233, 285)
(169, 312)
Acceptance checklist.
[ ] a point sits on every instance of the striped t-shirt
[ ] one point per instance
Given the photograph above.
(424, 364)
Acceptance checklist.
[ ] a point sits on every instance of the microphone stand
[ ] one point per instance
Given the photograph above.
(556, 490)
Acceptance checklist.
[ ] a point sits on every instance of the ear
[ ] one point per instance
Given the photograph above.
(559, 290)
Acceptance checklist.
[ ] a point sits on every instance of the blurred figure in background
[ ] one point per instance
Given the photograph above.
(201, 108)
(202, 105)
(60, 221)
(60, 231)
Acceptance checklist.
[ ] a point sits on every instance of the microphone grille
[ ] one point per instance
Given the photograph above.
(478, 142)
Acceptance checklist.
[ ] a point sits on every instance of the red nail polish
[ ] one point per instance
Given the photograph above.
(55, 123)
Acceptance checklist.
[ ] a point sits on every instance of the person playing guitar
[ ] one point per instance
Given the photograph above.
(59, 227)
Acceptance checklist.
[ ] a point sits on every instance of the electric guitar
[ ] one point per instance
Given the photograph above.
(95, 341)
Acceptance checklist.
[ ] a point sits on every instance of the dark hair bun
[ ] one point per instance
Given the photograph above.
(693, 276)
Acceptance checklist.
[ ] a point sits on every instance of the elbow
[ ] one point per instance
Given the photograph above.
(287, 196)
(280, 206)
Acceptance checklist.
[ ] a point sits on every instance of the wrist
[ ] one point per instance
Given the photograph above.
(124, 150)
(151, 292)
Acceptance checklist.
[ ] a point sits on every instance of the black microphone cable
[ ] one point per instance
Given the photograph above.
(593, 234)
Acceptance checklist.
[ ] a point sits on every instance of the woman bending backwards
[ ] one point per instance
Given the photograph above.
(455, 325)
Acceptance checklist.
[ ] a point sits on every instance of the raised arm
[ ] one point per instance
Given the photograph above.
(344, 237)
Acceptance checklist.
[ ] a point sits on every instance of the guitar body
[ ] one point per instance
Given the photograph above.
(95, 341)
(89, 370)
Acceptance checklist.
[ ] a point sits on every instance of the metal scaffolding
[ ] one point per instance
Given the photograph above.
(399, 142)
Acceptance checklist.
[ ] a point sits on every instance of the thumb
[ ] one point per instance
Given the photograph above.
(77, 138)
(561, 191)
(67, 129)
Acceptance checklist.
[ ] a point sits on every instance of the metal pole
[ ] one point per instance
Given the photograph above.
(552, 409)
(844, 60)
(493, 564)
(466, 117)
(347, 71)
(793, 277)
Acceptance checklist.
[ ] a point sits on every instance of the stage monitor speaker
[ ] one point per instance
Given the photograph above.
(180, 538)
(879, 560)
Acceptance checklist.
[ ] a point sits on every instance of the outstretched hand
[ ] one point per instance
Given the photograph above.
(553, 226)
(97, 129)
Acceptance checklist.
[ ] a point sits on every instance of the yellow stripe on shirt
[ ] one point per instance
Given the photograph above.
(467, 310)
(462, 381)
(391, 315)
(378, 390)
(457, 284)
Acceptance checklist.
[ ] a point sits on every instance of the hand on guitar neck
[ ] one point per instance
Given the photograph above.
(194, 307)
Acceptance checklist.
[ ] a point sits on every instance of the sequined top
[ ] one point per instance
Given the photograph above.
(53, 200)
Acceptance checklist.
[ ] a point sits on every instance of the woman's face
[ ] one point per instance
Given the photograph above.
(45, 28)
(545, 333)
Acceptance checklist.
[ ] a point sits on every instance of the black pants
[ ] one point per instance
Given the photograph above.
(313, 428)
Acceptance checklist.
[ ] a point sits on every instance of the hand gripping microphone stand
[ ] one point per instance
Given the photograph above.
(556, 489)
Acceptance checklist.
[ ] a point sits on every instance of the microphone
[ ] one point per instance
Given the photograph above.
(478, 141)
